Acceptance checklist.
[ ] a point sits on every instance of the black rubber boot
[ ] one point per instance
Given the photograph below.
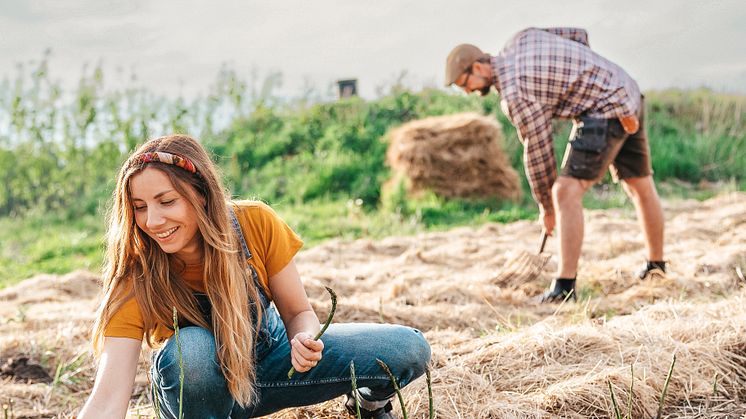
(380, 413)
(561, 289)
(653, 267)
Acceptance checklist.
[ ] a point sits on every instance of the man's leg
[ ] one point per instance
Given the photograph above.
(582, 166)
(643, 194)
(567, 194)
(633, 166)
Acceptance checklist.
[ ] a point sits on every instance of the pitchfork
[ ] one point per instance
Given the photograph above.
(525, 267)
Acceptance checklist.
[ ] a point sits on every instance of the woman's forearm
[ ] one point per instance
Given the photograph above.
(305, 321)
(100, 409)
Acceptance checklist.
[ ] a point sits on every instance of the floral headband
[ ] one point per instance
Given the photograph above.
(167, 158)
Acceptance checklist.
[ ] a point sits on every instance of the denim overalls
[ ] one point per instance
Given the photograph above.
(205, 392)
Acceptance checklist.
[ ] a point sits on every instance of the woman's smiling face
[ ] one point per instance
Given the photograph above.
(165, 215)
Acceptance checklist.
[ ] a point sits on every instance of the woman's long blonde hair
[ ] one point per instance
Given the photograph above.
(136, 266)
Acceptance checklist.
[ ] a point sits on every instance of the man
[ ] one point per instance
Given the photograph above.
(543, 74)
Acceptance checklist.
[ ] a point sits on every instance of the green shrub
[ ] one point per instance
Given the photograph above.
(59, 155)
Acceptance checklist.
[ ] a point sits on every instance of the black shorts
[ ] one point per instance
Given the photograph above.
(626, 156)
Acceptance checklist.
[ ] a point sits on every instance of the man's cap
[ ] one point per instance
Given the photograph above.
(460, 59)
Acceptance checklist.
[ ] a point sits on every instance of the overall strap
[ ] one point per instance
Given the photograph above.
(239, 232)
(247, 253)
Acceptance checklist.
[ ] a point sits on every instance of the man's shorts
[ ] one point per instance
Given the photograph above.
(626, 156)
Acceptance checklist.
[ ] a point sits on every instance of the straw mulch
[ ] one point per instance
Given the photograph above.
(454, 156)
(560, 369)
(496, 353)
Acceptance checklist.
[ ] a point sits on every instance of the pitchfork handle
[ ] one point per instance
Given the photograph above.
(544, 236)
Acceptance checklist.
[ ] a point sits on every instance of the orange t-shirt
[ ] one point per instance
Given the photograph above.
(272, 244)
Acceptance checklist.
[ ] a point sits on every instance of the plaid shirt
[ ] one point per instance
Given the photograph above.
(552, 73)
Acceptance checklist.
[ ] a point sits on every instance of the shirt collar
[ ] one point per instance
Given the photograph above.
(496, 62)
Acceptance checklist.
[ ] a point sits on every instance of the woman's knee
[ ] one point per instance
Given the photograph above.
(421, 349)
(195, 354)
(414, 352)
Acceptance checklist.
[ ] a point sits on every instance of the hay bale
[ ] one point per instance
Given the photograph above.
(454, 156)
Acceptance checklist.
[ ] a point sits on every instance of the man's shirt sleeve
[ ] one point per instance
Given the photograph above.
(573, 34)
(534, 124)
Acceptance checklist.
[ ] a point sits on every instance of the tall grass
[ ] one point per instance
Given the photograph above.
(60, 150)
(64, 147)
(48, 243)
(697, 135)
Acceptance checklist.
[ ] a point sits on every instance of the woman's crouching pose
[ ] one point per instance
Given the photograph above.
(175, 241)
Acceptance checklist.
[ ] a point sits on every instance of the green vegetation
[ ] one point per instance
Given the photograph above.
(321, 165)
(697, 135)
(50, 244)
(386, 369)
(353, 378)
(430, 404)
(181, 365)
(665, 387)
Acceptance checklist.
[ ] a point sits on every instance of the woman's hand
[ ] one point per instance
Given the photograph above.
(298, 316)
(305, 352)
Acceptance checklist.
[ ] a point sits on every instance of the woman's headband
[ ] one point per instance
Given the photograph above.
(168, 158)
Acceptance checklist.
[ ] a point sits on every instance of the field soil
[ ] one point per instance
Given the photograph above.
(497, 353)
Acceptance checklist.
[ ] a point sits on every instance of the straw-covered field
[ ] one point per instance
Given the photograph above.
(496, 353)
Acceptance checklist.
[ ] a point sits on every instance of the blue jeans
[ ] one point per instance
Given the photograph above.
(206, 394)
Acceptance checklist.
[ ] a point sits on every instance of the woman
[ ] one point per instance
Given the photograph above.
(174, 241)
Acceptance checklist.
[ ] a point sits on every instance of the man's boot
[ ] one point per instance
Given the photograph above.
(653, 268)
(562, 288)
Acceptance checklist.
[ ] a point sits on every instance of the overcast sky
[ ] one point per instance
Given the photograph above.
(177, 47)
